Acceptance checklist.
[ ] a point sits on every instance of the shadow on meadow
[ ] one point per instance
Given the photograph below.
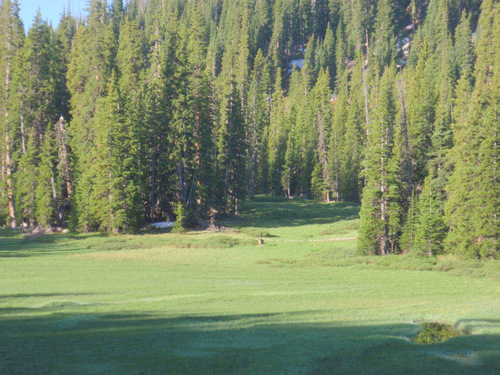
(19, 247)
(241, 344)
(260, 212)
(265, 212)
(26, 295)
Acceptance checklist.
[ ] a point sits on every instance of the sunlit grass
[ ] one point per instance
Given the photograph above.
(218, 303)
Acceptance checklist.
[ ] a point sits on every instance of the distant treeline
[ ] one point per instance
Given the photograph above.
(153, 106)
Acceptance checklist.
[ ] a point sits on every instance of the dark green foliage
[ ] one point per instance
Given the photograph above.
(318, 187)
(430, 229)
(48, 211)
(12, 36)
(409, 229)
(384, 40)
(473, 201)
(26, 183)
(433, 333)
(381, 210)
(180, 218)
(257, 118)
(146, 107)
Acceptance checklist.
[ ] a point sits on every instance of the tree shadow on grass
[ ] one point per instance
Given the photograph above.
(26, 295)
(233, 344)
(18, 247)
(263, 212)
(269, 213)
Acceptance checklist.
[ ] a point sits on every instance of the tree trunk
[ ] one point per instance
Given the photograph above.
(23, 133)
(365, 86)
(8, 166)
(322, 151)
(10, 192)
(404, 127)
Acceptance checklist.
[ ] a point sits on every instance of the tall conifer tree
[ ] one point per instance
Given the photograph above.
(12, 34)
(88, 75)
(379, 213)
(471, 209)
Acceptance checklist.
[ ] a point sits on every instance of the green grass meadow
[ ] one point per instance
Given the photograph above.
(208, 302)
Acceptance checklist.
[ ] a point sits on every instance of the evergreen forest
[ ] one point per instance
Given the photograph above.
(148, 110)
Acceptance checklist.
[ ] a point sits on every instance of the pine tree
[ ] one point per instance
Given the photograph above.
(310, 69)
(180, 218)
(408, 236)
(420, 100)
(242, 61)
(318, 188)
(39, 80)
(156, 117)
(47, 210)
(64, 170)
(340, 54)
(336, 143)
(26, 179)
(276, 140)
(113, 192)
(231, 145)
(354, 137)
(384, 40)
(12, 34)
(289, 165)
(117, 14)
(132, 148)
(62, 51)
(277, 46)
(471, 209)
(300, 128)
(192, 120)
(322, 118)
(326, 54)
(88, 75)
(257, 118)
(431, 230)
(35, 106)
(463, 46)
(261, 24)
(379, 211)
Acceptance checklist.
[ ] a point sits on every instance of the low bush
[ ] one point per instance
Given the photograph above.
(433, 332)
(222, 241)
(254, 232)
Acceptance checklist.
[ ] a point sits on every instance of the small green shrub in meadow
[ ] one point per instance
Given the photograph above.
(434, 332)
(254, 232)
(180, 217)
(445, 266)
(222, 241)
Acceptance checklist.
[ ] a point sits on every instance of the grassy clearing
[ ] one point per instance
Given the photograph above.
(217, 303)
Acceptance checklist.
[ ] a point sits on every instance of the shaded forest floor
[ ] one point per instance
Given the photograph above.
(210, 302)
